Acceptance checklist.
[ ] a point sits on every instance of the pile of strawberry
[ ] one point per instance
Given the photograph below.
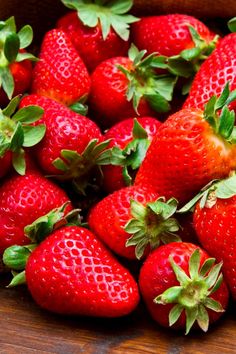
(118, 142)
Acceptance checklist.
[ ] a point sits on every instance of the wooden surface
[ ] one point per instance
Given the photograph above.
(26, 329)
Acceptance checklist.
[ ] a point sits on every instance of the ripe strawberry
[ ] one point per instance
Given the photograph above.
(190, 149)
(69, 148)
(15, 62)
(60, 73)
(182, 287)
(71, 272)
(22, 200)
(121, 87)
(214, 220)
(135, 217)
(129, 142)
(5, 163)
(98, 31)
(217, 70)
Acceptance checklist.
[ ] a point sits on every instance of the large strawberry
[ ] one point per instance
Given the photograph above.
(22, 200)
(182, 287)
(134, 219)
(129, 142)
(123, 86)
(191, 148)
(214, 220)
(214, 73)
(60, 73)
(98, 30)
(70, 147)
(71, 272)
(15, 62)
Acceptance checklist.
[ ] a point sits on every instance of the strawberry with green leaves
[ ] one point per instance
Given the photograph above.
(17, 133)
(129, 142)
(60, 73)
(122, 87)
(98, 29)
(191, 148)
(183, 287)
(15, 62)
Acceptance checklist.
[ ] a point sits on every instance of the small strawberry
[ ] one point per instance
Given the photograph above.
(214, 73)
(182, 287)
(98, 30)
(128, 145)
(121, 87)
(71, 144)
(191, 148)
(15, 62)
(71, 272)
(22, 200)
(135, 217)
(17, 133)
(60, 73)
(214, 219)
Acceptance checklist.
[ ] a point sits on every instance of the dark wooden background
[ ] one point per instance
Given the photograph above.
(26, 329)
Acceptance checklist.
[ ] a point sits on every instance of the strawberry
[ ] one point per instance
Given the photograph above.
(182, 287)
(60, 73)
(129, 142)
(214, 221)
(17, 133)
(71, 272)
(15, 62)
(122, 87)
(191, 148)
(69, 148)
(136, 217)
(98, 30)
(214, 73)
(22, 200)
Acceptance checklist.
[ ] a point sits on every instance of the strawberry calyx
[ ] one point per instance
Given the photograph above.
(107, 14)
(16, 131)
(145, 83)
(131, 157)
(193, 294)
(232, 24)
(152, 224)
(216, 189)
(11, 45)
(83, 169)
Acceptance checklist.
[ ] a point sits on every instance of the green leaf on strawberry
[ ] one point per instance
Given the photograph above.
(232, 24)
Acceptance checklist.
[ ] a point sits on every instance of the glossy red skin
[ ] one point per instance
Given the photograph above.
(89, 42)
(156, 276)
(121, 135)
(71, 272)
(167, 34)
(109, 216)
(108, 93)
(5, 163)
(23, 199)
(215, 228)
(65, 130)
(218, 69)
(184, 156)
(60, 73)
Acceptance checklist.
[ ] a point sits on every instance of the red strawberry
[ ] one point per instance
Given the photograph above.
(71, 272)
(217, 70)
(98, 31)
(181, 286)
(66, 149)
(22, 200)
(190, 149)
(129, 140)
(60, 73)
(123, 86)
(16, 68)
(214, 220)
(135, 217)
(5, 163)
